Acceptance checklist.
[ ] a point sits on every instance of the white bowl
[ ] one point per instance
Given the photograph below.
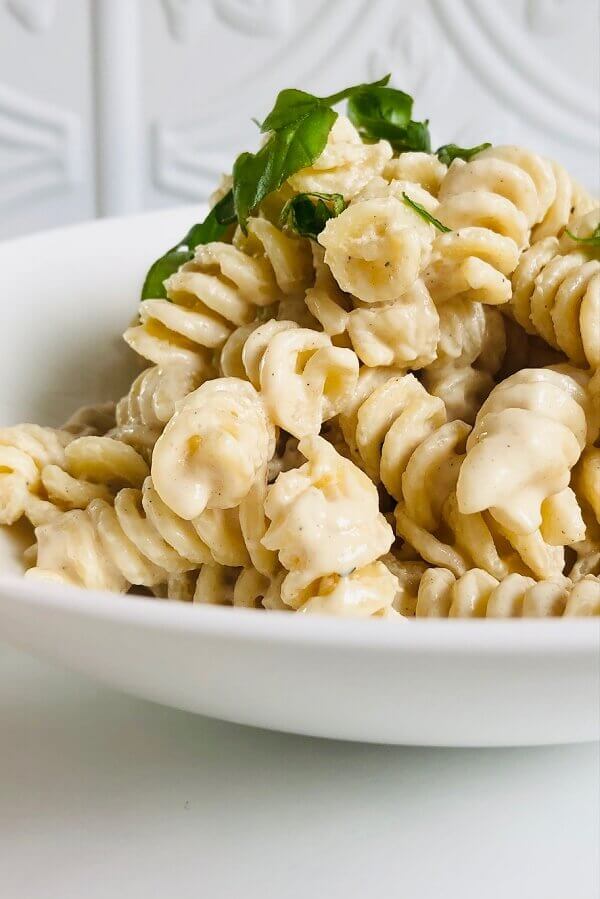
(67, 295)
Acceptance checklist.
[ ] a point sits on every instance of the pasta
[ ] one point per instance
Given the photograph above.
(345, 165)
(212, 449)
(318, 376)
(365, 592)
(479, 595)
(570, 201)
(424, 169)
(142, 414)
(376, 248)
(91, 421)
(388, 417)
(219, 289)
(331, 417)
(325, 519)
(94, 468)
(490, 204)
(470, 351)
(558, 297)
(528, 435)
(25, 450)
(401, 333)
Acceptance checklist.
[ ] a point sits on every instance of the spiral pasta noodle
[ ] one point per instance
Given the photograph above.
(570, 202)
(303, 378)
(93, 468)
(558, 297)
(212, 449)
(324, 520)
(110, 546)
(376, 248)
(390, 414)
(403, 333)
(221, 288)
(470, 351)
(424, 169)
(150, 403)
(490, 204)
(345, 165)
(528, 435)
(477, 594)
(25, 450)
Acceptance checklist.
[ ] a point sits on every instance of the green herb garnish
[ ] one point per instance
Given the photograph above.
(384, 113)
(212, 228)
(299, 125)
(592, 240)
(307, 214)
(449, 152)
(424, 214)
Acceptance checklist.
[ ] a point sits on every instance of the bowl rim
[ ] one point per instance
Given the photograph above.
(100, 224)
(465, 637)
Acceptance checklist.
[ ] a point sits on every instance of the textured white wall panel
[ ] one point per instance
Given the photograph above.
(168, 87)
(46, 147)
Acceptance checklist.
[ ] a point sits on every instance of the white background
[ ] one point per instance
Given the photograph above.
(110, 106)
(107, 797)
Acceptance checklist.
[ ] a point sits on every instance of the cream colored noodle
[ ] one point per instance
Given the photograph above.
(344, 425)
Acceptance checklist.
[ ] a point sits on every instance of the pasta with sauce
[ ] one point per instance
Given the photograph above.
(332, 416)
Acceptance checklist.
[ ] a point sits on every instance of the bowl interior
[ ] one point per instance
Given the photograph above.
(68, 295)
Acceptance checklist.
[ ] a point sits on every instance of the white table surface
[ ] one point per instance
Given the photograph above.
(102, 795)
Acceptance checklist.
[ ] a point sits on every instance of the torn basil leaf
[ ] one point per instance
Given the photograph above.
(307, 214)
(384, 113)
(212, 228)
(424, 214)
(450, 152)
(298, 127)
(295, 146)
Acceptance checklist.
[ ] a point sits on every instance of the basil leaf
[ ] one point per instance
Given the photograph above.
(592, 240)
(204, 232)
(449, 152)
(224, 210)
(288, 150)
(307, 214)
(424, 214)
(383, 113)
(416, 138)
(381, 107)
(299, 124)
(292, 104)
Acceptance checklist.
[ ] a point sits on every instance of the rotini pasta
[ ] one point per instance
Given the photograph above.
(365, 592)
(424, 169)
(212, 449)
(490, 205)
(91, 421)
(303, 379)
(528, 435)
(221, 288)
(558, 297)
(479, 595)
(390, 414)
(25, 450)
(377, 248)
(345, 165)
(142, 414)
(332, 418)
(402, 333)
(324, 519)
